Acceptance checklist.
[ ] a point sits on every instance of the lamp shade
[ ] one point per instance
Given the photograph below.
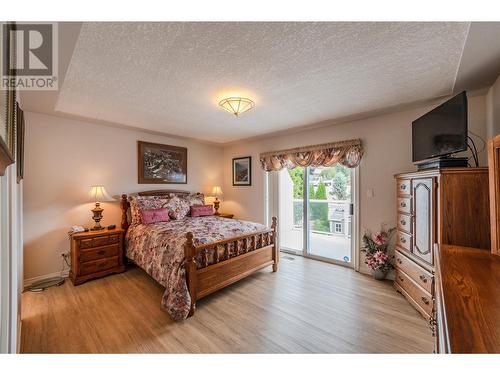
(99, 194)
(216, 191)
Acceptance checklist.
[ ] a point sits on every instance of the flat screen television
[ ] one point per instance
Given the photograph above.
(442, 131)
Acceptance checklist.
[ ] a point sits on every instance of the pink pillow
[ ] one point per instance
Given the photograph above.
(202, 210)
(154, 215)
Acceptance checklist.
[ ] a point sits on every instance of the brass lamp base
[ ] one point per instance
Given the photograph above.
(97, 211)
(216, 206)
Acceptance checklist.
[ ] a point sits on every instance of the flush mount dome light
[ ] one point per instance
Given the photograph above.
(236, 105)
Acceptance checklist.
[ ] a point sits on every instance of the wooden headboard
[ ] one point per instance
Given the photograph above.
(125, 204)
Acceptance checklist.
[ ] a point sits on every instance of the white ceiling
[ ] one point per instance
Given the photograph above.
(169, 77)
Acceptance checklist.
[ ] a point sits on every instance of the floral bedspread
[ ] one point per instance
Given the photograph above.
(159, 250)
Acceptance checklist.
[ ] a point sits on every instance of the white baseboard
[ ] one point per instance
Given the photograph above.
(28, 282)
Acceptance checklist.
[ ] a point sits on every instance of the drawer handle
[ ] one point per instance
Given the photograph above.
(401, 279)
(423, 278)
(403, 240)
(433, 326)
(425, 300)
(403, 204)
(101, 252)
(100, 265)
(399, 260)
(403, 187)
(403, 222)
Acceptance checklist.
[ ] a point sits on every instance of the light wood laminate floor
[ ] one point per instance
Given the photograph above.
(306, 307)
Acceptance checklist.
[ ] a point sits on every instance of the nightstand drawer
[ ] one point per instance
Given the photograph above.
(88, 243)
(98, 265)
(99, 253)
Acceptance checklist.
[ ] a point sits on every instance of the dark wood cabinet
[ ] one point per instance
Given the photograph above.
(448, 206)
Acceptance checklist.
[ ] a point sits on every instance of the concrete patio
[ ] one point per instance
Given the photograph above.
(327, 246)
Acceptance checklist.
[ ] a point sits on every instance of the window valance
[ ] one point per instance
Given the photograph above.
(348, 153)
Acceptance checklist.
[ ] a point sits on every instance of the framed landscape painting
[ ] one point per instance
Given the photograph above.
(161, 164)
(242, 171)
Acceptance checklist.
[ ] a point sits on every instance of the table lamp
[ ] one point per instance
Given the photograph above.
(216, 192)
(98, 194)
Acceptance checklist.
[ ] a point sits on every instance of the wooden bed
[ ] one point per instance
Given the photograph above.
(251, 253)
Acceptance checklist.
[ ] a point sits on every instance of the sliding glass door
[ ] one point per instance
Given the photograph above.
(316, 212)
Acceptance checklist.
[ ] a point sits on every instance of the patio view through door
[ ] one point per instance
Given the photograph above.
(316, 212)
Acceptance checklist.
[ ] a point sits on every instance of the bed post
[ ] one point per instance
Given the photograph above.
(276, 253)
(124, 205)
(190, 267)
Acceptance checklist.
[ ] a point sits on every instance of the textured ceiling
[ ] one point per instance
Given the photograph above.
(169, 77)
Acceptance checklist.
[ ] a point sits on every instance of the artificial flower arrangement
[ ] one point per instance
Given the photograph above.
(376, 248)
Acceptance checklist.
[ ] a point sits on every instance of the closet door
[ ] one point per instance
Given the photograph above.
(423, 209)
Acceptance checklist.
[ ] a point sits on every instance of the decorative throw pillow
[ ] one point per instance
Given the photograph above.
(195, 199)
(154, 215)
(138, 203)
(177, 208)
(202, 210)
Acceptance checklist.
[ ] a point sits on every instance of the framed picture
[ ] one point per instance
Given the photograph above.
(242, 171)
(161, 164)
(20, 129)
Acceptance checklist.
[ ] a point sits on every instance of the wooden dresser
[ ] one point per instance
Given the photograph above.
(95, 254)
(467, 313)
(449, 206)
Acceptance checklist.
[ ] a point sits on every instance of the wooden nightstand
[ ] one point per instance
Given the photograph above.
(95, 254)
(227, 216)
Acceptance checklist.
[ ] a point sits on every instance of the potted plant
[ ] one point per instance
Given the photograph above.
(375, 246)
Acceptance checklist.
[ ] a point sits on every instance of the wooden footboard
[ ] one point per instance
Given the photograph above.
(213, 266)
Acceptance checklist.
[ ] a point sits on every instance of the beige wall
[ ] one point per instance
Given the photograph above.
(64, 157)
(387, 143)
(493, 109)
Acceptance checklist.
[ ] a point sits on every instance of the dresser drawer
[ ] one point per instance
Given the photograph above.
(98, 265)
(420, 296)
(99, 253)
(404, 205)
(88, 243)
(403, 240)
(420, 276)
(405, 222)
(403, 187)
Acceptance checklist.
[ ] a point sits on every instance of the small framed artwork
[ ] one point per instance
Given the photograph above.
(242, 171)
(161, 164)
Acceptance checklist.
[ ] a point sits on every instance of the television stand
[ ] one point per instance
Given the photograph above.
(443, 163)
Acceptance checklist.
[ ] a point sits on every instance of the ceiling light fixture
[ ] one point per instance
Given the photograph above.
(236, 105)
